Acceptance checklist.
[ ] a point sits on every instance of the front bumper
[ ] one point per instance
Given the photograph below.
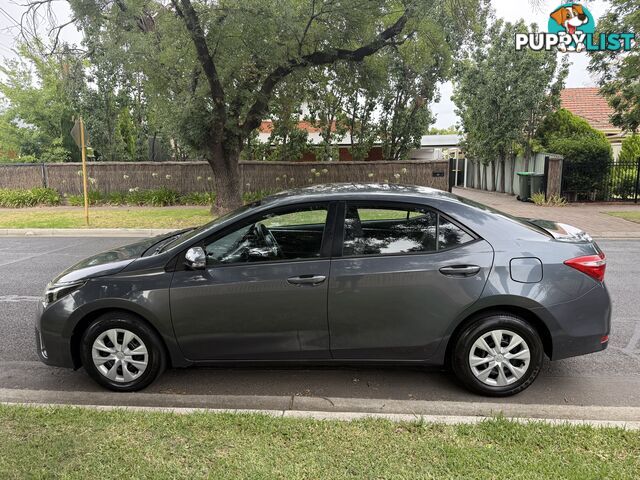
(52, 348)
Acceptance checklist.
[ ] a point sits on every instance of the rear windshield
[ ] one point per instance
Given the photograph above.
(522, 221)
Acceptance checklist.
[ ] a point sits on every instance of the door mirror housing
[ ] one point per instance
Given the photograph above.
(195, 258)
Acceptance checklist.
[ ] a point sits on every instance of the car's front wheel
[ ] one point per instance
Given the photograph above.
(121, 352)
(498, 355)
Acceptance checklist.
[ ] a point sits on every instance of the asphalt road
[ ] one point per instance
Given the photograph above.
(609, 378)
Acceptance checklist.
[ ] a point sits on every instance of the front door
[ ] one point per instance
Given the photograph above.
(263, 293)
(405, 273)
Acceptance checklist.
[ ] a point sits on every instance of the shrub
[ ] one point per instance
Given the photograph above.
(250, 197)
(586, 151)
(630, 148)
(198, 198)
(540, 199)
(622, 182)
(14, 198)
(161, 197)
(26, 159)
(95, 198)
(586, 162)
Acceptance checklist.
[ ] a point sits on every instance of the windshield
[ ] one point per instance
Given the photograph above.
(182, 237)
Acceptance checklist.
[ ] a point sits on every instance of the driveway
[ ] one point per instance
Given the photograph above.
(590, 217)
(609, 378)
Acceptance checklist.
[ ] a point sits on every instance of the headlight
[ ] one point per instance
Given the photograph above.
(56, 292)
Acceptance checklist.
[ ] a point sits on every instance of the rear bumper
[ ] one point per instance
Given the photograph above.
(582, 325)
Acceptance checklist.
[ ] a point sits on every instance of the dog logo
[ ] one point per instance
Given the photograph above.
(572, 28)
(572, 18)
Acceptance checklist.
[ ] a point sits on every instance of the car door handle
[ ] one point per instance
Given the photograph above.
(307, 280)
(460, 270)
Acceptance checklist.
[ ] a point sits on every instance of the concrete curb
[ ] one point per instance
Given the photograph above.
(150, 232)
(83, 232)
(349, 416)
(331, 408)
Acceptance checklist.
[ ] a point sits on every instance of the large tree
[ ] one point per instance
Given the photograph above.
(36, 115)
(502, 96)
(619, 71)
(211, 67)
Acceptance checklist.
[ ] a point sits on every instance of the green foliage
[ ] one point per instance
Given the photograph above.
(13, 198)
(250, 197)
(197, 198)
(125, 137)
(586, 162)
(202, 75)
(36, 110)
(586, 151)
(95, 198)
(502, 95)
(564, 124)
(630, 148)
(56, 152)
(452, 130)
(539, 198)
(25, 159)
(622, 182)
(161, 197)
(619, 71)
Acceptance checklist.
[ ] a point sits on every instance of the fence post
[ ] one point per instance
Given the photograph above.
(452, 173)
(635, 197)
(45, 175)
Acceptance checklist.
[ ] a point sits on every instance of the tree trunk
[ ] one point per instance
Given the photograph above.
(226, 175)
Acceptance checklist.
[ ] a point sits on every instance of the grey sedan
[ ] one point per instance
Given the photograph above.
(336, 274)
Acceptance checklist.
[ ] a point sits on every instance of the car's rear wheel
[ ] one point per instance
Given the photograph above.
(497, 355)
(121, 352)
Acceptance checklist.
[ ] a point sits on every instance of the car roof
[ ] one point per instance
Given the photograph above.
(361, 191)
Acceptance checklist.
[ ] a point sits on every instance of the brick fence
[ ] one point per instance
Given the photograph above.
(185, 177)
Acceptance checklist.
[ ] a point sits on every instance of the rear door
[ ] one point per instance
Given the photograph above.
(401, 275)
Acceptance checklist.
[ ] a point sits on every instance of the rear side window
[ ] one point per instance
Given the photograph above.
(390, 230)
(450, 235)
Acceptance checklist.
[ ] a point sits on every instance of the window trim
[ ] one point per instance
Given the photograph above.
(338, 243)
(325, 246)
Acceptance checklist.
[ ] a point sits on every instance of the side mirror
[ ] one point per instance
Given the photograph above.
(195, 258)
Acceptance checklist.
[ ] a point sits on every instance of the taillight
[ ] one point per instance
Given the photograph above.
(592, 265)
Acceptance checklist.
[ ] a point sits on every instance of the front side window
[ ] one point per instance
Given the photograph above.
(286, 235)
(390, 230)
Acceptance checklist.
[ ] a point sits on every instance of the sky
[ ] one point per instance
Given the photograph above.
(509, 10)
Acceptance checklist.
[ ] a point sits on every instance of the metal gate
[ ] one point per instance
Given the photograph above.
(620, 184)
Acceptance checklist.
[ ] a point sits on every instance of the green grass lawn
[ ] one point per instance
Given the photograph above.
(166, 217)
(632, 216)
(84, 443)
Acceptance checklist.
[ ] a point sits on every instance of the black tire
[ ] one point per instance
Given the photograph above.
(157, 358)
(496, 321)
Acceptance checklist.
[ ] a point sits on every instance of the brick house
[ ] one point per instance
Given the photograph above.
(432, 147)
